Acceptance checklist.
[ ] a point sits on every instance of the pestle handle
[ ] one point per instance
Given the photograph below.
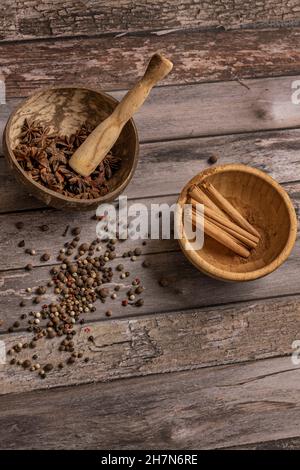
(94, 149)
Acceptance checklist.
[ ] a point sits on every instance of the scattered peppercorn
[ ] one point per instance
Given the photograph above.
(21, 243)
(76, 231)
(20, 225)
(212, 159)
(28, 267)
(163, 282)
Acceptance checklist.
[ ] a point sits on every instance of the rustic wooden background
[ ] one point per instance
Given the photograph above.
(203, 364)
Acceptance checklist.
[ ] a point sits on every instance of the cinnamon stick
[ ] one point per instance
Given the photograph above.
(196, 193)
(248, 243)
(230, 227)
(222, 237)
(228, 208)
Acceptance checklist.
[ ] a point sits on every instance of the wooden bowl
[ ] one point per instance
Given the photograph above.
(266, 206)
(65, 109)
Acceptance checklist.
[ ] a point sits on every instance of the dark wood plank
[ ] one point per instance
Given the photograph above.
(273, 152)
(292, 443)
(158, 344)
(116, 62)
(215, 407)
(56, 18)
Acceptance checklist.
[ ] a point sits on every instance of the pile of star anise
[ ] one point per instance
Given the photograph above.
(44, 155)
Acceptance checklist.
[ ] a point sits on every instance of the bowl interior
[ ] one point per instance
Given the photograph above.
(263, 205)
(65, 109)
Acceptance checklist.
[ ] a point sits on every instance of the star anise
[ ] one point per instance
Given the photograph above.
(45, 157)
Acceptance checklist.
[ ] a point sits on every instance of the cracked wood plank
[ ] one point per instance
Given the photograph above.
(161, 343)
(276, 153)
(216, 407)
(35, 19)
(115, 63)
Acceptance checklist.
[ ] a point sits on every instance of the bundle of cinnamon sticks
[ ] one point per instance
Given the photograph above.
(222, 221)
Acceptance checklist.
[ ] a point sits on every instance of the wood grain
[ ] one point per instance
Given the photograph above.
(276, 153)
(72, 17)
(215, 407)
(115, 62)
(13, 257)
(292, 443)
(226, 108)
(158, 344)
(187, 287)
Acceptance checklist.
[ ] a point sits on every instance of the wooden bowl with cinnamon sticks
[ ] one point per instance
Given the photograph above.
(248, 220)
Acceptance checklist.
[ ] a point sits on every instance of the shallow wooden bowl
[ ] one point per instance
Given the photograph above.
(265, 204)
(65, 109)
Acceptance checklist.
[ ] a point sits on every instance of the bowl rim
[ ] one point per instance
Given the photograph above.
(9, 154)
(222, 274)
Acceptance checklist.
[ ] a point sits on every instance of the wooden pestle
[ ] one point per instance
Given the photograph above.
(94, 149)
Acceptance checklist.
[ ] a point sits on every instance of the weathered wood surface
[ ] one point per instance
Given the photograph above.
(13, 257)
(213, 407)
(292, 443)
(36, 19)
(276, 153)
(187, 289)
(115, 63)
(211, 109)
(158, 344)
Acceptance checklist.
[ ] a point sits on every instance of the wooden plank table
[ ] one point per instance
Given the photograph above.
(202, 364)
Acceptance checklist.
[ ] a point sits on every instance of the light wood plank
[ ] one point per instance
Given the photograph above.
(116, 62)
(274, 152)
(56, 18)
(214, 109)
(162, 343)
(13, 257)
(187, 289)
(215, 407)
